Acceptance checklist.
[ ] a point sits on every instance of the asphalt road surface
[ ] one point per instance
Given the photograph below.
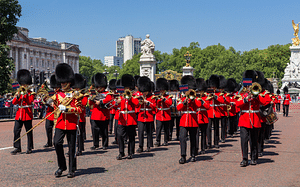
(280, 165)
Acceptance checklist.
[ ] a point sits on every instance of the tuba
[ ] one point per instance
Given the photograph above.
(127, 93)
(191, 94)
(255, 88)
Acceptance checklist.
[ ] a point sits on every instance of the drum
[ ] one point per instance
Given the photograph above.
(271, 118)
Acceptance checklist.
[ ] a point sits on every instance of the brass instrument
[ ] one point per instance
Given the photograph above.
(24, 89)
(191, 93)
(255, 88)
(127, 93)
(228, 109)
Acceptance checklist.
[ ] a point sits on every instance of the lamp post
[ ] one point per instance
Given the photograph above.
(116, 74)
(48, 71)
(105, 72)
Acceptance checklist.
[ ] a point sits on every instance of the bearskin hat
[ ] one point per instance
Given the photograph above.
(118, 83)
(100, 80)
(128, 81)
(162, 84)
(265, 84)
(223, 82)
(80, 81)
(201, 84)
(136, 78)
(231, 85)
(270, 87)
(260, 78)
(285, 89)
(24, 77)
(152, 86)
(144, 84)
(189, 80)
(278, 92)
(174, 85)
(112, 84)
(53, 83)
(214, 81)
(250, 74)
(64, 73)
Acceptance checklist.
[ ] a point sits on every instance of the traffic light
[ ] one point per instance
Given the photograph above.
(42, 77)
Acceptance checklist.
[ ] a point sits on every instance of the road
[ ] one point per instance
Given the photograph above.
(279, 166)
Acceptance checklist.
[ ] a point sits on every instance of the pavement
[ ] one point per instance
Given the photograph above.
(279, 166)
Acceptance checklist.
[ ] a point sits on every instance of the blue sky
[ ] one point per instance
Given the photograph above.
(95, 25)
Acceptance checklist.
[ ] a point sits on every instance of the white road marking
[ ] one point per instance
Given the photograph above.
(6, 148)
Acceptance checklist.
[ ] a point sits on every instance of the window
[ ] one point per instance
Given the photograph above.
(31, 62)
(37, 63)
(42, 63)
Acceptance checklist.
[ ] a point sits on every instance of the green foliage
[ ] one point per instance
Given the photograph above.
(89, 67)
(132, 66)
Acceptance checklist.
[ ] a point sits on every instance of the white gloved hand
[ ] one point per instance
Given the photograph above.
(62, 108)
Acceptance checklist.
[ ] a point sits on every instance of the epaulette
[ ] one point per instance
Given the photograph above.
(32, 93)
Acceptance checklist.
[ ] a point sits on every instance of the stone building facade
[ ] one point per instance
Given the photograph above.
(40, 54)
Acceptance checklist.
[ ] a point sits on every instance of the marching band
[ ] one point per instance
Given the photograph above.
(132, 106)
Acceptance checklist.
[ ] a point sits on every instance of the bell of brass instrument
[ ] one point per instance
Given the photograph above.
(24, 89)
(255, 88)
(127, 93)
(191, 94)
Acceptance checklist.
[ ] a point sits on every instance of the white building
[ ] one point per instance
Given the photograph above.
(40, 54)
(128, 46)
(113, 61)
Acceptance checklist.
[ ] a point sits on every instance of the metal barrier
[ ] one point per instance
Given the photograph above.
(8, 112)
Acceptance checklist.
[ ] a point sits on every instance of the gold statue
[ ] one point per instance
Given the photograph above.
(188, 58)
(295, 40)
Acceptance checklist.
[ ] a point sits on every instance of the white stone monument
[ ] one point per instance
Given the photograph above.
(187, 69)
(147, 60)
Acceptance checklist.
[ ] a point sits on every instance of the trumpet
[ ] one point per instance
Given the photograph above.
(127, 93)
(191, 94)
(255, 88)
(24, 89)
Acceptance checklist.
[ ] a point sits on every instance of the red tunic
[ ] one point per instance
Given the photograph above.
(163, 109)
(83, 105)
(101, 114)
(286, 99)
(137, 94)
(24, 112)
(202, 114)
(127, 114)
(146, 111)
(214, 111)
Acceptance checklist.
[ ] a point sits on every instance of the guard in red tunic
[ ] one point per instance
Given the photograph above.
(286, 101)
(50, 120)
(66, 119)
(145, 116)
(163, 115)
(202, 115)
(223, 109)
(249, 121)
(80, 84)
(175, 114)
(116, 116)
(112, 111)
(231, 107)
(279, 98)
(100, 114)
(24, 98)
(188, 121)
(127, 117)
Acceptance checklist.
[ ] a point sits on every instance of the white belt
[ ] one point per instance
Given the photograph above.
(286, 99)
(201, 109)
(26, 106)
(189, 112)
(250, 111)
(127, 112)
(232, 103)
(147, 109)
(163, 108)
(223, 105)
(215, 105)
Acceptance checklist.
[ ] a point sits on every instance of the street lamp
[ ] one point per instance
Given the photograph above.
(116, 74)
(105, 72)
(48, 71)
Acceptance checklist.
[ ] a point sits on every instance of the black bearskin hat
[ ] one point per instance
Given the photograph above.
(80, 81)
(144, 84)
(260, 78)
(24, 77)
(265, 84)
(128, 81)
(162, 84)
(285, 89)
(189, 80)
(152, 86)
(100, 80)
(53, 83)
(223, 82)
(278, 92)
(118, 83)
(250, 74)
(64, 73)
(112, 84)
(136, 78)
(201, 84)
(214, 81)
(231, 85)
(270, 87)
(174, 85)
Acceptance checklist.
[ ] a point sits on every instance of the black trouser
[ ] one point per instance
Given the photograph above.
(92, 126)
(268, 131)
(49, 131)
(215, 122)
(183, 136)
(278, 107)
(58, 144)
(116, 129)
(286, 110)
(249, 135)
(203, 130)
(159, 126)
(142, 126)
(261, 137)
(100, 128)
(124, 131)
(232, 124)
(111, 121)
(17, 132)
(174, 120)
(80, 138)
(224, 120)
(84, 130)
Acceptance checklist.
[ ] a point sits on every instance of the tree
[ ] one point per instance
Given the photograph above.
(89, 67)
(132, 66)
(10, 11)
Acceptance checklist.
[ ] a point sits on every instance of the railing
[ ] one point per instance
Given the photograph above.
(8, 112)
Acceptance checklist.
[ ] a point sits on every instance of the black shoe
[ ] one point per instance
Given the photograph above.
(28, 151)
(202, 152)
(253, 162)
(222, 141)
(156, 144)
(148, 149)
(165, 144)
(244, 163)
(79, 153)
(114, 142)
(260, 154)
(182, 160)
(104, 148)
(47, 146)
(209, 147)
(59, 172)
(139, 150)
(94, 148)
(193, 159)
(126, 141)
(129, 157)
(109, 132)
(119, 157)
(177, 139)
(15, 151)
(71, 174)
(217, 146)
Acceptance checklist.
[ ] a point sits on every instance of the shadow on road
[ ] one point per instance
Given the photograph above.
(274, 142)
(89, 171)
(270, 153)
(174, 143)
(160, 149)
(93, 152)
(226, 145)
(264, 160)
(203, 158)
(272, 137)
(212, 151)
(269, 146)
(43, 150)
(276, 131)
(230, 140)
(143, 155)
